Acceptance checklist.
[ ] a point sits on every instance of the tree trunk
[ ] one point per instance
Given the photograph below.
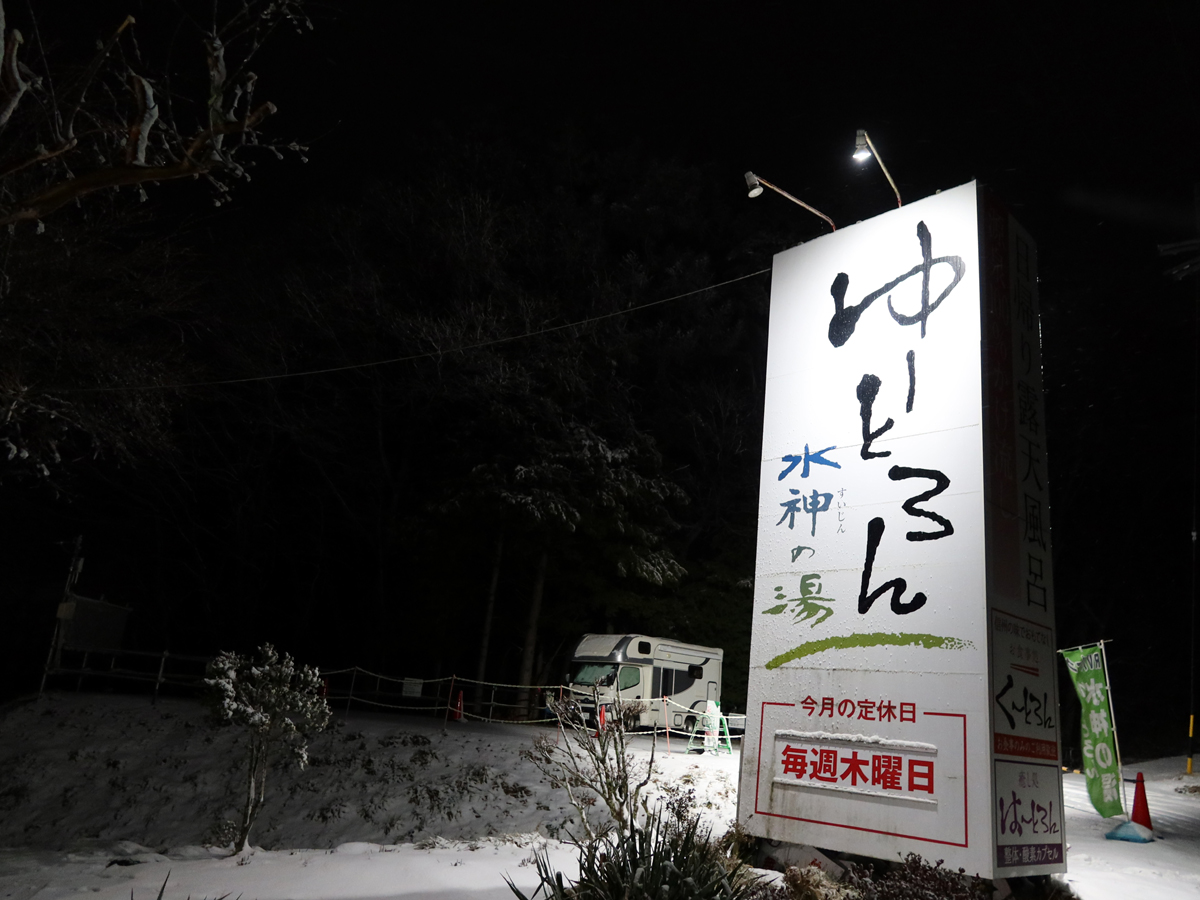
(253, 794)
(489, 608)
(531, 627)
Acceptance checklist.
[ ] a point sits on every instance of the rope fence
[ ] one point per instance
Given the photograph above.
(482, 701)
(448, 696)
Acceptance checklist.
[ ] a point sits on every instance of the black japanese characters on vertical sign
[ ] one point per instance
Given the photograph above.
(1031, 456)
(1034, 533)
(1035, 588)
(841, 329)
(941, 482)
(845, 318)
(1028, 415)
(1024, 305)
(868, 390)
(867, 597)
(1032, 461)
(912, 380)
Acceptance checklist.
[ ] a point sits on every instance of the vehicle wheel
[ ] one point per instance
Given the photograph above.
(689, 724)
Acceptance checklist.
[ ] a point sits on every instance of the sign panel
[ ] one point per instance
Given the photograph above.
(1027, 810)
(870, 700)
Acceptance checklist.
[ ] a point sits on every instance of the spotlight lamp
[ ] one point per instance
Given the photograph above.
(756, 185)
(864, 150)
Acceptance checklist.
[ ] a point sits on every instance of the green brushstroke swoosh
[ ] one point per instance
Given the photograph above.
(872, 639)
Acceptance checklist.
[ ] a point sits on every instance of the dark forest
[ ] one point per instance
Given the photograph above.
(493, 310)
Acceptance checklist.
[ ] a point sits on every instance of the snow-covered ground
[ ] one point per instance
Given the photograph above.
(1169, 868)
(106, 795)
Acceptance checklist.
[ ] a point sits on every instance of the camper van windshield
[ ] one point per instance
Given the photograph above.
(590, 673)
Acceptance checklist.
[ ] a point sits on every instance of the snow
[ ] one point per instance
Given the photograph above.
(107, 795)
(1169, 868)
(870, 739)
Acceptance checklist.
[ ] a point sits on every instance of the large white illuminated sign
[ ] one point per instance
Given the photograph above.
(902, 665)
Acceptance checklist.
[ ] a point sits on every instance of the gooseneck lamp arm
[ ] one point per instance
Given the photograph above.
(756, 184)
(866, 137)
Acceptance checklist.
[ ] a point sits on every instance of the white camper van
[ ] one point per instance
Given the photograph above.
(642, 668)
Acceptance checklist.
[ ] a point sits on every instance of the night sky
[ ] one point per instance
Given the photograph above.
(334, 515)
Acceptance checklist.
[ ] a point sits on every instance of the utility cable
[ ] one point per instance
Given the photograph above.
(428, 355)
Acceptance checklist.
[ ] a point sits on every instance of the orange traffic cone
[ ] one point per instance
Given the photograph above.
(599, 722)
(1141, 810)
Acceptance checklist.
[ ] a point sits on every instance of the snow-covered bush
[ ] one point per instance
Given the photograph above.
(278, 706)
(661, 860)
(600, 768)
(914, 878)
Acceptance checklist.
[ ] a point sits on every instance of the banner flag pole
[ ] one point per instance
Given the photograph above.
(1088, 667)
(1113, 721)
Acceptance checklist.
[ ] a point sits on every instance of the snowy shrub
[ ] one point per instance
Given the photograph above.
(738, 843)
(661, 853)
(278, 706)
(915, 879)
(810, 883)
(661, 859)
(600, 768)
(222, 833)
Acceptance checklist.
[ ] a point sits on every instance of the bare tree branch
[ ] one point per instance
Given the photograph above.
(93, 70)
(147, 115)
(196, 162)
(130, 139)
(12, 82)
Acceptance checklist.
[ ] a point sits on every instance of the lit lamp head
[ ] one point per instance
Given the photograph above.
(862, 152)
(753, 184)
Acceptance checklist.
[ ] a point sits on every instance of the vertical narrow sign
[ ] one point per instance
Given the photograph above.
(1101, 765)
(1027, 810)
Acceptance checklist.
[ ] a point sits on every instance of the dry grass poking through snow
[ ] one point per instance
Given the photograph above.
(76, 767)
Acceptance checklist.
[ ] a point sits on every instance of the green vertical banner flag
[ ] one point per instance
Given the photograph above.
(1100, 763)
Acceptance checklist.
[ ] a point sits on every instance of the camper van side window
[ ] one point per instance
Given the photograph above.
(644, 648)
(683, 681)
(629, 678)
(656, 682)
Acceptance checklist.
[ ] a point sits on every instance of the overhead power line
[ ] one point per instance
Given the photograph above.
(462, 348)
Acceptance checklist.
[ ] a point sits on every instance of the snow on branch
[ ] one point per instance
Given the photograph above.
(109, 128)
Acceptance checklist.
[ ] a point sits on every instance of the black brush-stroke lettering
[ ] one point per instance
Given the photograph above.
(867, 597)
(912, 380)
(941, 482)
(845, 318)
(868, 390)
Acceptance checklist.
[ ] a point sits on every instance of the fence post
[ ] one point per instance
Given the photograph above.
(449, 700)
(667, 723)
(82, 671)
(492, 705)
(162, 664)
(350, 696)
(558, 715)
